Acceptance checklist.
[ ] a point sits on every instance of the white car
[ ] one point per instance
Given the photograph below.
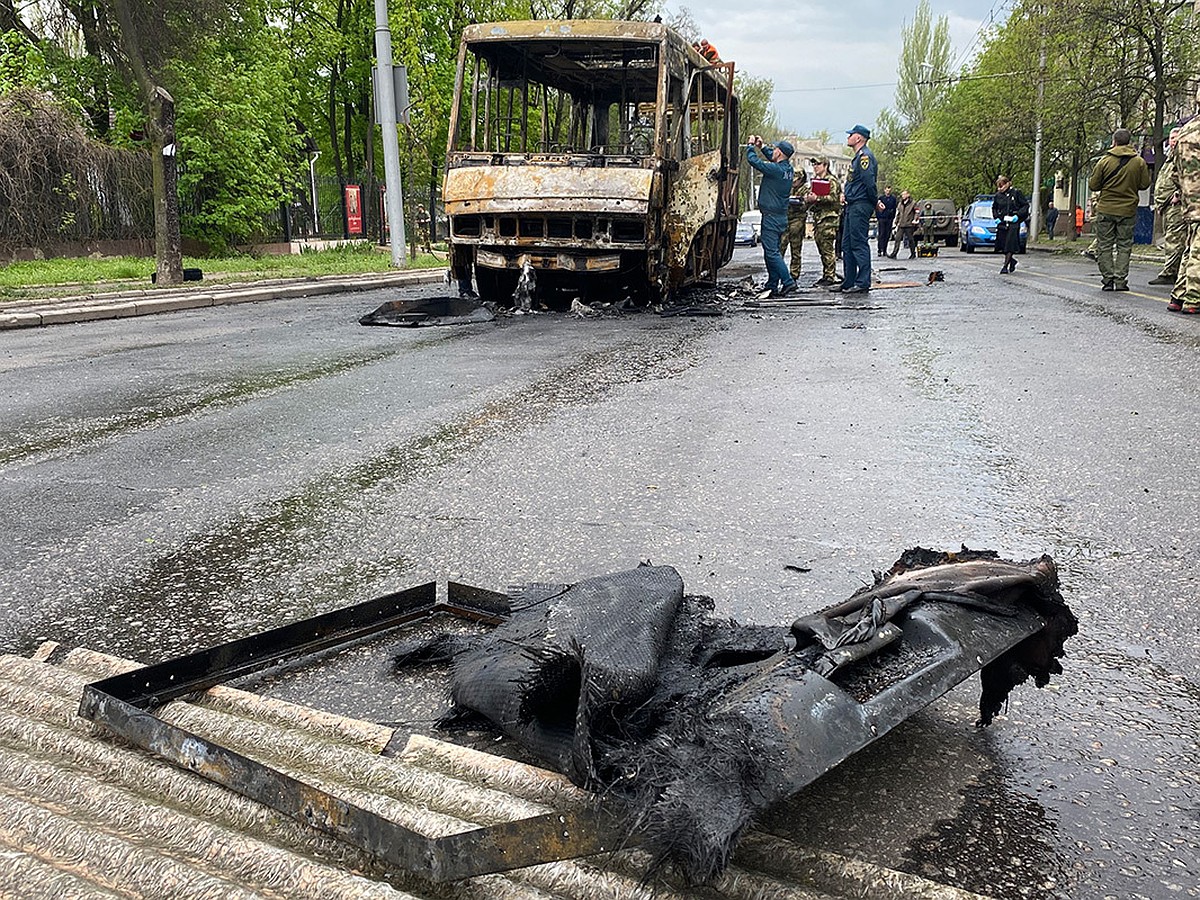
(753, 218)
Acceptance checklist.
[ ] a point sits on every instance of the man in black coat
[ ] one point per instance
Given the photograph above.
(885, 215)
(1011, 209)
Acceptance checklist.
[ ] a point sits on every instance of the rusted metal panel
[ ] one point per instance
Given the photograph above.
(563, 262)
(691, 205)
(483, 189)
(614, 29)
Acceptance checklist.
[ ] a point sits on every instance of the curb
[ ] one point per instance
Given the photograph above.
(128, 304)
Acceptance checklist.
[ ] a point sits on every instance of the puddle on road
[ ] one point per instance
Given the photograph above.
(1082, 790)
(56, 435)
(288, 558)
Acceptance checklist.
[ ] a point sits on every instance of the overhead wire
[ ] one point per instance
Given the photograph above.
(988, 20)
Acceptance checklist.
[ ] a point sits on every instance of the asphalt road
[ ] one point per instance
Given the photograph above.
(172, 481)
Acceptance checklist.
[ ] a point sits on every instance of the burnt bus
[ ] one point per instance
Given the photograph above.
(599, 155)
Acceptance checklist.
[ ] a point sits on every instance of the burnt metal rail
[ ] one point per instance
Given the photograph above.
(124, 705)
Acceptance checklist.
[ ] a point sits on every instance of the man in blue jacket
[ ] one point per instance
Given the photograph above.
(774, 194)
(860, 195)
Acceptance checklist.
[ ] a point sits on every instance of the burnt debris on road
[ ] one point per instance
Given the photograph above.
(685, 725)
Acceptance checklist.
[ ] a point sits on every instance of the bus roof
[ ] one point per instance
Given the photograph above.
(560, 29)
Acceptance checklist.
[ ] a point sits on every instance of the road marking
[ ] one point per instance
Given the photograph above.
(1089, 284)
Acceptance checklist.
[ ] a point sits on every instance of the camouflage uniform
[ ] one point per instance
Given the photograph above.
(1185, 176)
(827, 214)
(796, 220)
(1174, 226)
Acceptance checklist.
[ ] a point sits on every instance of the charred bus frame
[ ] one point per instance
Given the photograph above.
(600, 154)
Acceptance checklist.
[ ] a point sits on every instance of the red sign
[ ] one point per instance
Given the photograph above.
(354, 219)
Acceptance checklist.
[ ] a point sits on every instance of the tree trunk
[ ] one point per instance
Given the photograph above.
(10, 21)
(88, 17)
(168, 247)
(160, 107)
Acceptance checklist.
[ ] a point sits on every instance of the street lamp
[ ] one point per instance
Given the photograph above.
(312, 187)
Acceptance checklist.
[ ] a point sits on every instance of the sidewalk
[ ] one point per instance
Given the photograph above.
(150, 300)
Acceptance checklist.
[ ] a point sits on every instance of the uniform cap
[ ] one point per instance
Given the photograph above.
(861, 129)
(818, 159)
(786, 147)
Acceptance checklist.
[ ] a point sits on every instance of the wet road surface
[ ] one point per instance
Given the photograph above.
(178, 480)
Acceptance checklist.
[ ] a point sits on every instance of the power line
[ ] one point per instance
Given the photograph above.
(988, 20)
(843, 87)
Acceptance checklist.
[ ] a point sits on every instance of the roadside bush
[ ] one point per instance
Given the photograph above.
(59, 184)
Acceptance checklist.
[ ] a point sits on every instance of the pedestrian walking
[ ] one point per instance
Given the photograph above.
(1010, 208)
(859, 197)
(826, 209)
(1117, 178)
(885, 215)
(1167, 203)
(906, 226)
(1051, 219)
(797, 220)
(774, 194)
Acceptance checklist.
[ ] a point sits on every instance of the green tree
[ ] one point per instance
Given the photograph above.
(922, 70)
(239, 151)
(889, 138)
(144, 35)
(22, 63)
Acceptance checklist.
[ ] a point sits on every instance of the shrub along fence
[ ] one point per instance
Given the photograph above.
(58, 186)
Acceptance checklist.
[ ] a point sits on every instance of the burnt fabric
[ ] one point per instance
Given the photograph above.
(634, 689)
(570, 660)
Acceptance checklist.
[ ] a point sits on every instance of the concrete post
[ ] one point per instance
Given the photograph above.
(385, 90)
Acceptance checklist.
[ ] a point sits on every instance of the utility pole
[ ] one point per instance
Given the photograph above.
(385, 90)
(1035, 207)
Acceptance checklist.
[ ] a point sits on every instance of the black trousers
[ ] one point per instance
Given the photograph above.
(885, 235)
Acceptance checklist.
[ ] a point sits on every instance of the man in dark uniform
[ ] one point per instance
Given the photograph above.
(774, 197)
(860, 196)
(885, 215)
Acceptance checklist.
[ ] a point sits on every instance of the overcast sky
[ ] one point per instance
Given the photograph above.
(817, 53)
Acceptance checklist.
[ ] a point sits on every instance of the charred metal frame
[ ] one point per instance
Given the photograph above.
(124, 704)
(680, 189)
